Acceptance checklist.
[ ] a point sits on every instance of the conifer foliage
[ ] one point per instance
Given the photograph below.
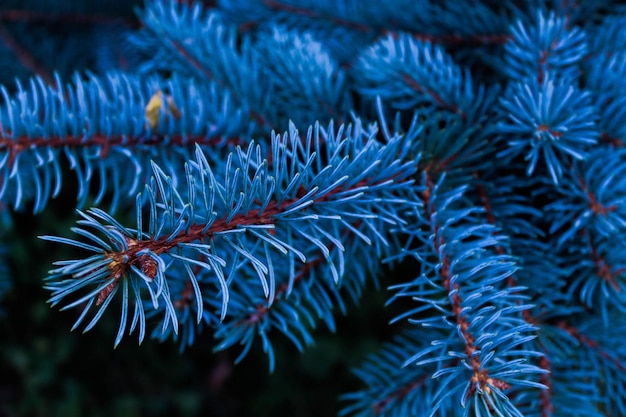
(275, 154)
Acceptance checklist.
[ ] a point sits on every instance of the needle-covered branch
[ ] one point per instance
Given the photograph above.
(300, 196)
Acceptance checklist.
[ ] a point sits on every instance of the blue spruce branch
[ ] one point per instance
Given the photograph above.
(102, 126)
(483, 164)
(304, 195)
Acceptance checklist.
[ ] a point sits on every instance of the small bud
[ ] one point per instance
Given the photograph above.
(154, 106)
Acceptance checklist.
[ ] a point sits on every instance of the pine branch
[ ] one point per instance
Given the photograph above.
(461, 286)
(96, 138)
(304, 199)
(307, 86)
(491, 183)
(591, 198)
(410, 74)
(547, 46)
(317, 289)
(393, 386)
(554, 119)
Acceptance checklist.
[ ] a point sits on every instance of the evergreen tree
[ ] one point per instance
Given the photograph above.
(278, 157)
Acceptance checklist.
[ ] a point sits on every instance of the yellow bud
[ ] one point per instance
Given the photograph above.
(154, 106)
